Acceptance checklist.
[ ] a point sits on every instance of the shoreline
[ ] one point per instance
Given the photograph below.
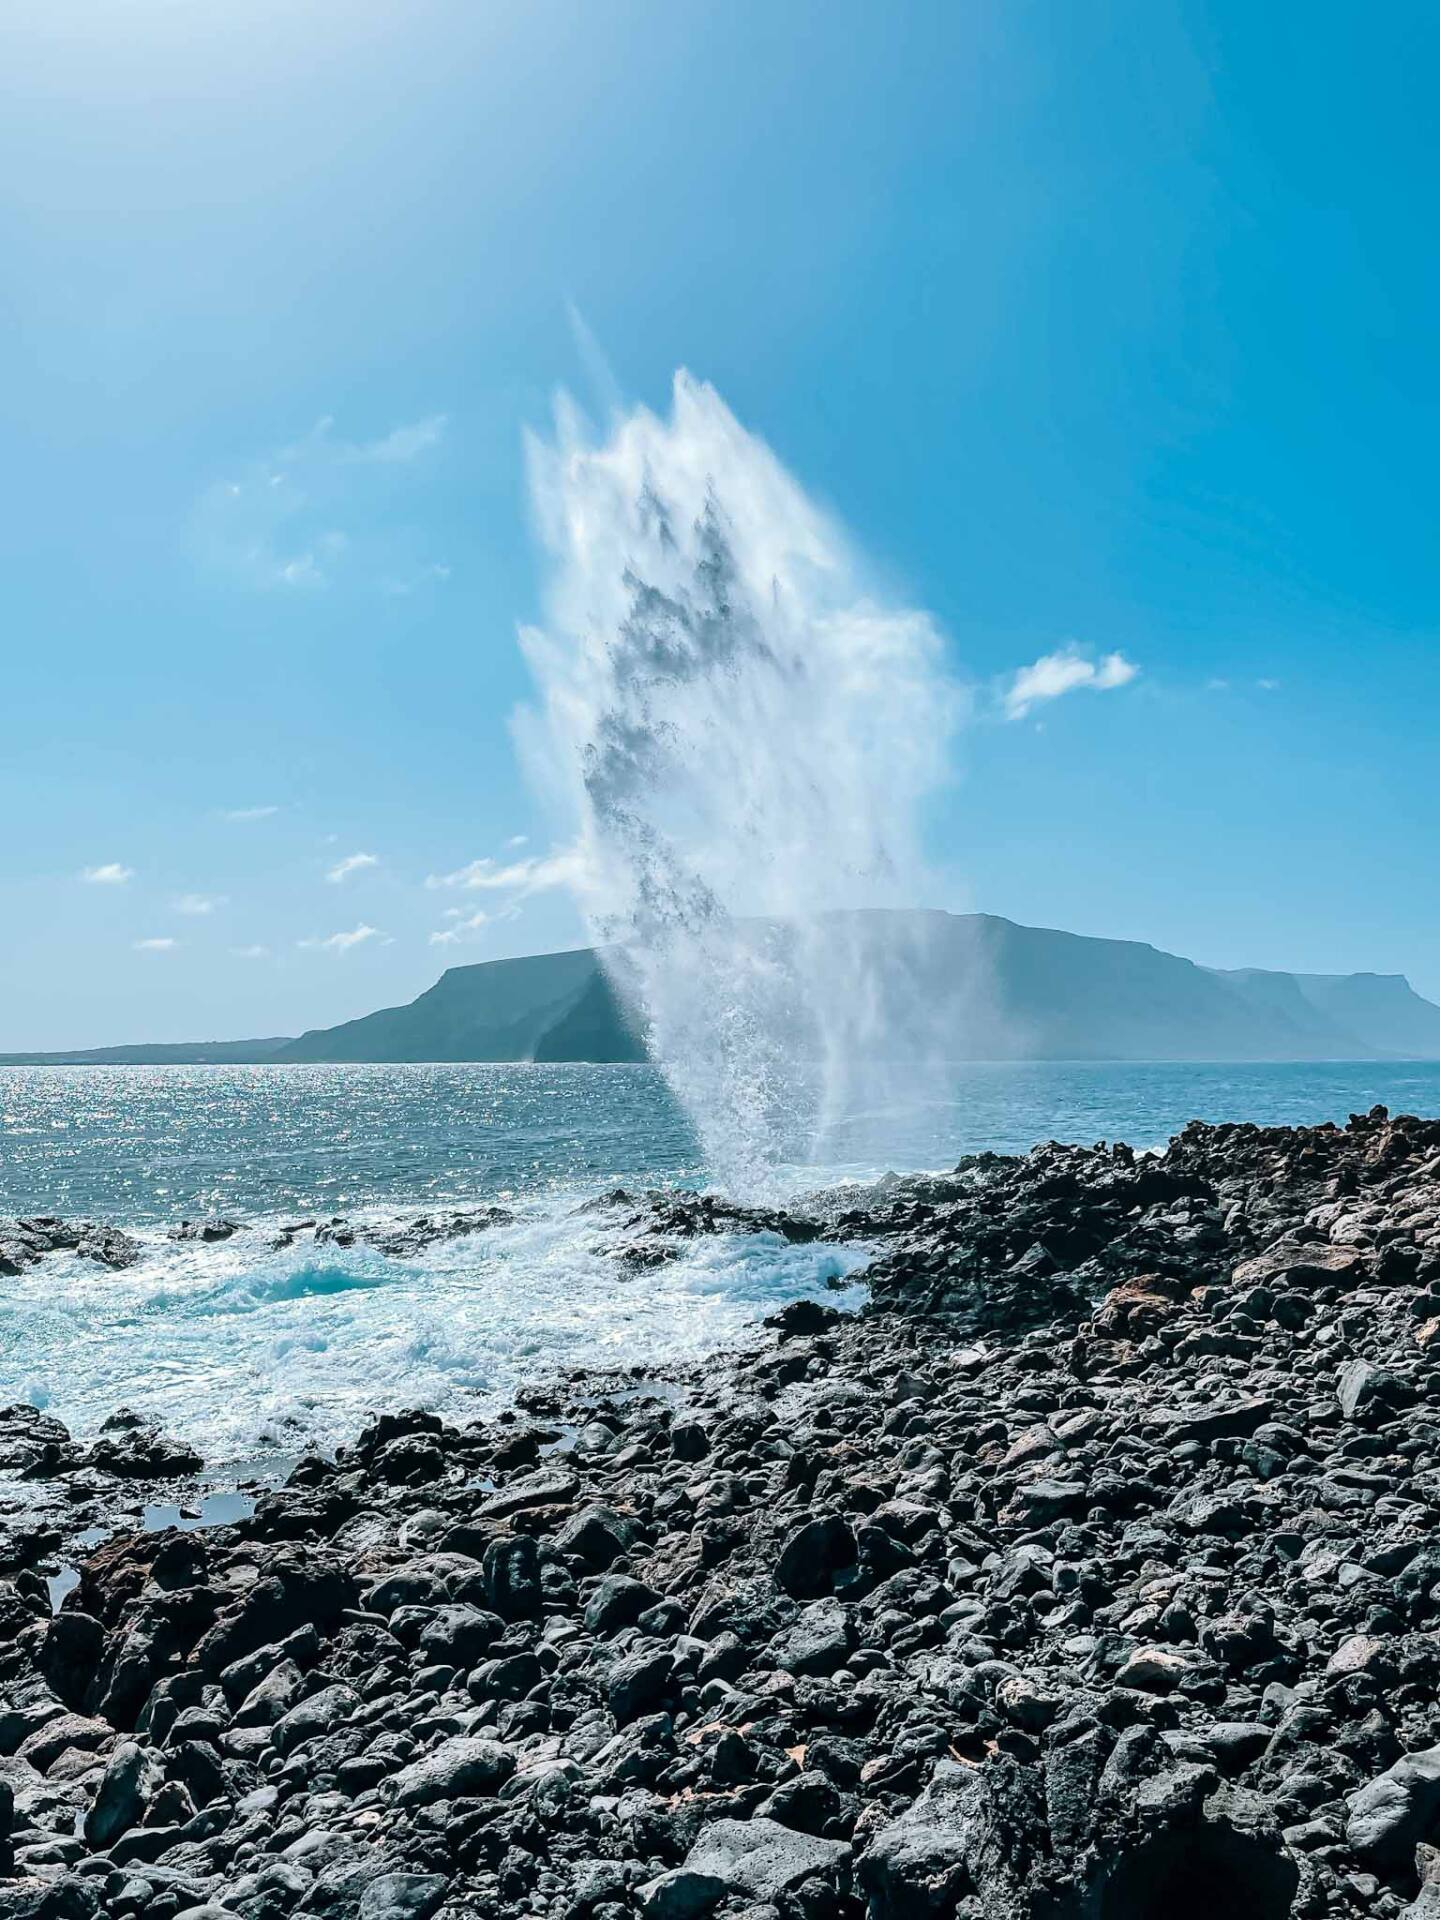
(1098, 1555)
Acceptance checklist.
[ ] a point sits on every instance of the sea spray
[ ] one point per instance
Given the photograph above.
(746, 739)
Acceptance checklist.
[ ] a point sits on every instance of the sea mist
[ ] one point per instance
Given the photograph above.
(746, 738)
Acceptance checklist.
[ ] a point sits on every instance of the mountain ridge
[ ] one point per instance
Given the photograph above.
(992, 988)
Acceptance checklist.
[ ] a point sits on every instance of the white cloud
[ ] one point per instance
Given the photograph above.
(539, 874)
(342, 942)
(1268, 686)
(401, 444)
(112, 874)
(162, 945)
(517, 840)
(1055, 674)
(304, 517)
(352, 863)
(198, 903)
(250, 813)
(466, 926)
(251, 953)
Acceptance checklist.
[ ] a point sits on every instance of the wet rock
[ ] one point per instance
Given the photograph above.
(133, 1449)
(209, 1231)
(24, 1242)
(31, 1439)
(412, 1237)
(798, 1319)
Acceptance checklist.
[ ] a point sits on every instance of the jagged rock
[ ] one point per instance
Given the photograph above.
(24, 1242)
(763, 1859)
(133, 1776)
(31, 1440)
(402, 1896)
(968, 1833)
(818, 1642)
(133, 1449)
(208, 1231)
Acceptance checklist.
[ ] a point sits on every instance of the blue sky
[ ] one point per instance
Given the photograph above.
(1105, 329)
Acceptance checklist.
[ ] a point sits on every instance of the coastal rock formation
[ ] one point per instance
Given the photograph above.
(399, 1239)
(25, 1242)
(1091, 1573)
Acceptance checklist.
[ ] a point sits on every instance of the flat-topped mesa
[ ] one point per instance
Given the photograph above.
(1090, 1573)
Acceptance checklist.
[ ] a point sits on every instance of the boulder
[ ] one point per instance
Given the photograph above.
(460, 1768)
(762, 1859)
(132, 1778)
(813, 1555)
(1391, 1814)
(972, 1829)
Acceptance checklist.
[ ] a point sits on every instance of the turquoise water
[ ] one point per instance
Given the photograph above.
(248, 1349)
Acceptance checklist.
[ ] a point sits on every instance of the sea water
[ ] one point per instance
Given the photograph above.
(252, 1351)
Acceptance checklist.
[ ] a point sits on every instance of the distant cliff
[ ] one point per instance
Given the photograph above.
(550, 1006)
(156, 1053)
(992, 990)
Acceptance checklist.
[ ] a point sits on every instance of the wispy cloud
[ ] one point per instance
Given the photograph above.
(199, 903)
(342, 942)
(162, 944)
(539, 874)
(251, 953)
(467, 927)
(398, 585)
(250, 813)
(113, 874)
(396, 448)
(1064, 672)
(352, 863)
(321, 510)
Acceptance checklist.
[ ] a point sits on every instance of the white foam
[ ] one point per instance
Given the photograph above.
(245, 1349)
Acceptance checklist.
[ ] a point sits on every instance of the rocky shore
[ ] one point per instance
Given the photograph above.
(1091, 1573)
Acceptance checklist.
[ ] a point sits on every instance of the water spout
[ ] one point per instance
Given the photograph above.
(746, 739)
